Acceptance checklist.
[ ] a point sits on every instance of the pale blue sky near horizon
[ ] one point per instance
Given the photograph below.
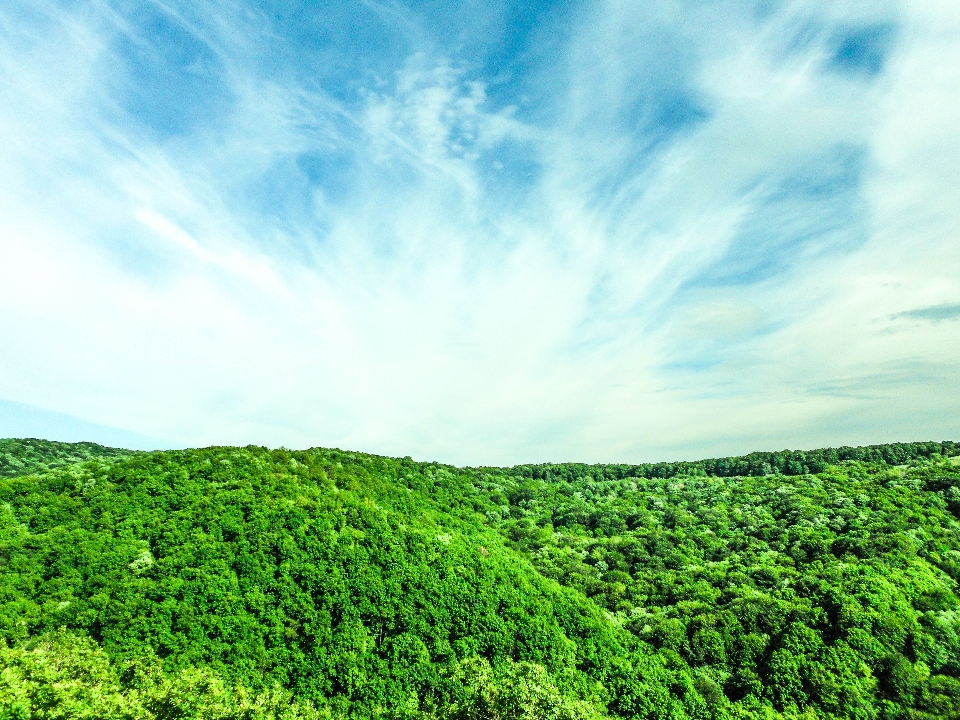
(483, 232)
(25, 421)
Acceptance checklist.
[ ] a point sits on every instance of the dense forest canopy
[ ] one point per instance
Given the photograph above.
(23, 457)
(256, 583)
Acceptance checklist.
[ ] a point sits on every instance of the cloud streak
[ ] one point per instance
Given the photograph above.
(630, 232)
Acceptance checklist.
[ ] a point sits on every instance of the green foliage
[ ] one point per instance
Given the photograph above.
(514, 691)
(784, 462)
(835, 592)
(61, 676)
(347, 585)
(313, 571)
(23, 457)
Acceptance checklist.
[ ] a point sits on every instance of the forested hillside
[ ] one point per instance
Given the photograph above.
(22, 457)
(255, 583)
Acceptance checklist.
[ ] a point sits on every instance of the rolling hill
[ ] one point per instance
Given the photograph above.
(247, 582)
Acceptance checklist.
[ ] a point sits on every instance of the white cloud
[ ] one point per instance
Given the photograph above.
(425, 297)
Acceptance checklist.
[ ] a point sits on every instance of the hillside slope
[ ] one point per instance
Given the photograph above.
(29, 455)
(291, 583)
(317, 572)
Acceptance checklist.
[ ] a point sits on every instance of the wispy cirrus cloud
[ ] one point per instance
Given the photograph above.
(607, 231)
(934, 313)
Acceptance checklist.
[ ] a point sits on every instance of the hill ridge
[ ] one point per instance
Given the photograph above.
(357, 585)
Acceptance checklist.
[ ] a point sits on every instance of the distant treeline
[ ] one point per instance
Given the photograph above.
(22, 456)
(756, 464)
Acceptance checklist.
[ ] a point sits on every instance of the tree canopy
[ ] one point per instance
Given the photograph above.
(227, 582)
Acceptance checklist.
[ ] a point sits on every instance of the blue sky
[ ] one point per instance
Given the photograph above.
(481, 232)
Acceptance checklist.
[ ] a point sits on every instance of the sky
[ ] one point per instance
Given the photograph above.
(481, 232)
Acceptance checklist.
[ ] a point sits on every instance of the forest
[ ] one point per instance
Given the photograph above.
(261, 583)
